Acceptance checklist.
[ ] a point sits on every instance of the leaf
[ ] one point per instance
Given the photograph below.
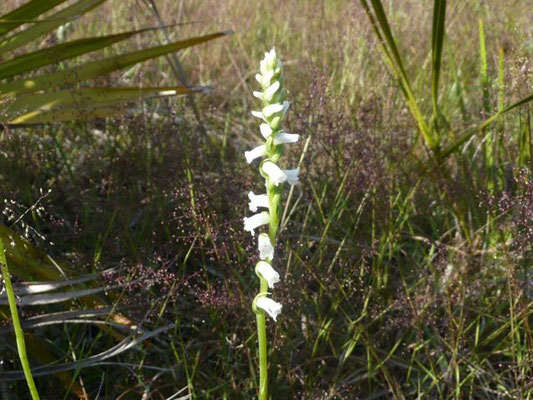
(34, 60)
(124, 345)
(478, 128)
(97, 68)
(437, 39)
(394, 61)
(25, 13)
(84, 103)
(43, 27)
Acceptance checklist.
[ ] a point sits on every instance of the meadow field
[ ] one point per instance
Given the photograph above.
(405, 251)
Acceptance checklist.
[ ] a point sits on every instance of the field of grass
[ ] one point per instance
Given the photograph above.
(406, 269)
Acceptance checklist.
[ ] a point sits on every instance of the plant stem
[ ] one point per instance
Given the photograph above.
(19, 334)
(262, 339)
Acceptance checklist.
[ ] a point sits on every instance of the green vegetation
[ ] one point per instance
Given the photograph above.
(405, 253)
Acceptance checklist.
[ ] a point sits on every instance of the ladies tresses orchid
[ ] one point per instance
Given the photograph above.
(256, 152)
(278, 175)
(272, 307)
(257, 200)
(255, 221)
(265, 270)
(273, 110)
(266, 250)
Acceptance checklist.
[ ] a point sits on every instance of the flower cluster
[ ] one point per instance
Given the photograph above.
(270, 151)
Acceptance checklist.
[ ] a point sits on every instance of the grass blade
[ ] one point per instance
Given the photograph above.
(478, 128)
(393, 59)
(437, 39)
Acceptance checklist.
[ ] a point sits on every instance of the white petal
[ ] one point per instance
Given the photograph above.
(256, 152)
(274, 172)
(257, 200)
(292, 175)
(263, 66)
(267, 78)
(266, 130)
(272, 109)
(267, 272)
(258, 114)
(256, 221)
(271, 91)
(266, 250)
(283, 137)
(271, 307)
(257, 94)
(259, 78)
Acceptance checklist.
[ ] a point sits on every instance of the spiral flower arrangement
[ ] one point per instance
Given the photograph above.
(274, 109)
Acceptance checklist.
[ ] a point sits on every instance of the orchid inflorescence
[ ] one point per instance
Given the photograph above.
(274, 110)
(266, 206)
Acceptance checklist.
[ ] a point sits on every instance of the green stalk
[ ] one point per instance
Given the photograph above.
(19, 334)
(262, 340)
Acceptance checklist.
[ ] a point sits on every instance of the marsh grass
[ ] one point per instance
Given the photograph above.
(397, 282)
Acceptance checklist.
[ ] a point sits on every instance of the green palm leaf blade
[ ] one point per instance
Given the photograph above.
(49, 24)
(32, 61)
(84, 103)
(25, 13)
(97, 68)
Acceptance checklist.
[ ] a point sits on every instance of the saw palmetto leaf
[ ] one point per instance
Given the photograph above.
(82, 104)
(42, 27)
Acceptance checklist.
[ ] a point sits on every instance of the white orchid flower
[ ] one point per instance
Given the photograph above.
(292, 175)
(257, 200)
(270, 306)
(256, 152)
(269, 92)
(283, 138)
(266, 250)
(266, 130)
(278, 175)
(265, 270)
(255, 221)
(258, 114)
(272, 109)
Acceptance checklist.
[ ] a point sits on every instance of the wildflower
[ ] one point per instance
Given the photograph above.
(266, 250)
(265, 129)
(283, 138)
(257, 200)
(278, 175)
(265, 270)
(274, 110)
(255, 221)
(270, 306)
(256, 152)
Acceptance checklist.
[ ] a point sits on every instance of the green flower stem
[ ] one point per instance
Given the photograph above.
(19, 334)
(262, 340)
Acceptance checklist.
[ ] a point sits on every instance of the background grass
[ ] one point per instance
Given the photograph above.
(384, 295)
